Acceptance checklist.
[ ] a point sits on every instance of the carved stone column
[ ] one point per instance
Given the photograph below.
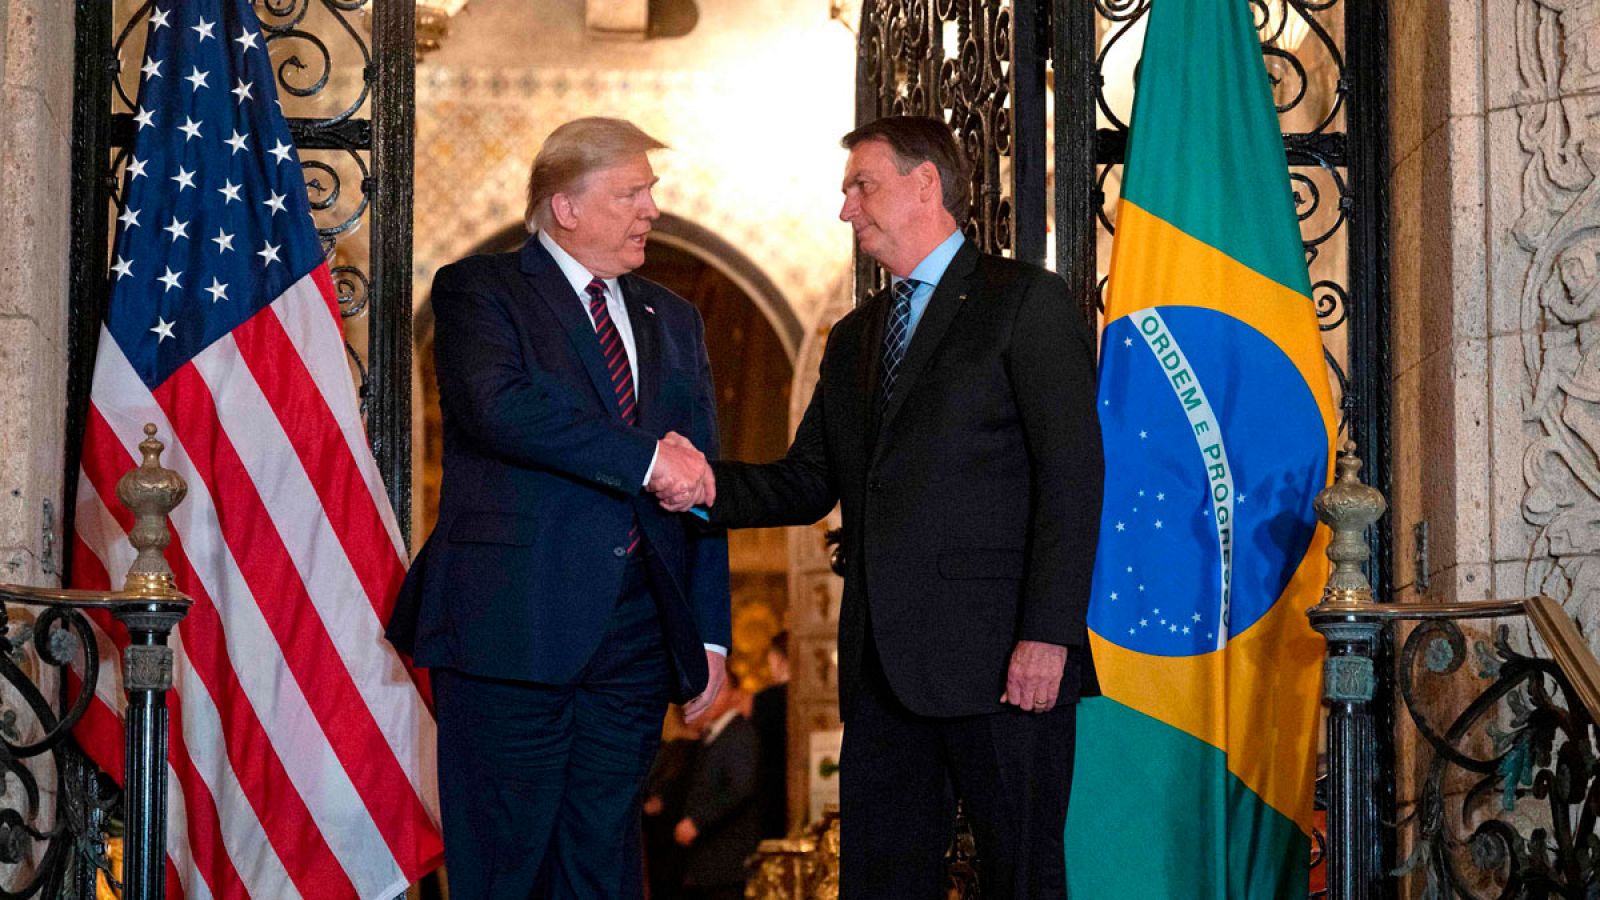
(1496, 325)
(36, 53)
(1496, 312)
(1555, 242)
(815, 591)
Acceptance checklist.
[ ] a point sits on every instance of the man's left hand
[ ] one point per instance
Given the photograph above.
(1034, 679)
(717, 666)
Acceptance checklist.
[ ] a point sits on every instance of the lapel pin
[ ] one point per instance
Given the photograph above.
(649, 309)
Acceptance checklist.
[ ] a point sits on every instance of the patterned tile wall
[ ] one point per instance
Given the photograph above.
(761, 177)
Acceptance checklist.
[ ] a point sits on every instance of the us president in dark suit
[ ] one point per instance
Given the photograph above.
(955, 424)
(557, 605)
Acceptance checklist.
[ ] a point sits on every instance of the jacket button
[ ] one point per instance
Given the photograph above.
(874, 485)
(619, 552)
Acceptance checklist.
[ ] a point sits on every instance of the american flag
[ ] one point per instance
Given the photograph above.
(301, 760)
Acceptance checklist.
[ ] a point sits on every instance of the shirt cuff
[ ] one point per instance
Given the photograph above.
(652, 467)
(717, 648)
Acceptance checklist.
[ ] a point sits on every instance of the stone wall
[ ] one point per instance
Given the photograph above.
(36, 38)
(1496, 321)
(1544, 167)
(752, 100)
(1495, 187)
(1439, 333)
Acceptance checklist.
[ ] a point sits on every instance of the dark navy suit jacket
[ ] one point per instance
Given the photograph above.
(542, 479)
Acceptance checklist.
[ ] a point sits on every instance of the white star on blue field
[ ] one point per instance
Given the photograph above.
(216, 222)
(1158, 574)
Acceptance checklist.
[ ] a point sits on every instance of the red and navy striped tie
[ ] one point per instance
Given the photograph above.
(616, 357)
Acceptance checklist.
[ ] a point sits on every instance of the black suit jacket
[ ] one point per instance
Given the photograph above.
(972, 509)
(721, 799)
(542, 479)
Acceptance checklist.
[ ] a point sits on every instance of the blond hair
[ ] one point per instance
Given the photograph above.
(572, 152)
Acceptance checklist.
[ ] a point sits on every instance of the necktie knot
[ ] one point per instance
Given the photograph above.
(598, 313)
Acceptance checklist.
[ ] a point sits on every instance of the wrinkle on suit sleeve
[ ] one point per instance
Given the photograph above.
(513, 410)
(1052, 370)
(798, 489)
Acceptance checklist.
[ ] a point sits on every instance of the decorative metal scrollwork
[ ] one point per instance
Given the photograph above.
(1333, 304)
(958, 59)
(344, 74)
(283, 21)
(323, 66)
(336, 213)
(1302, 44)
(1509, 803)
(33, 727)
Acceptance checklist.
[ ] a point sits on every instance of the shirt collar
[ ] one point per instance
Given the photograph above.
(932, 267)
(575, 272)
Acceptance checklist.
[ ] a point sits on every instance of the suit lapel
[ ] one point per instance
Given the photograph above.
(942, 308)
(553, 288)
(647, 344)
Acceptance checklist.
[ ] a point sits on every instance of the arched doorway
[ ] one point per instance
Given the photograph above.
(752, 336)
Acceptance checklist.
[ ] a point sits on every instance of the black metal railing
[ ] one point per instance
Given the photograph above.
(50, 658)
(1501, 794)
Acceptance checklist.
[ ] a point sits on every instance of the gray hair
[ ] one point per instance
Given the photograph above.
(916, 140)
(575, 150)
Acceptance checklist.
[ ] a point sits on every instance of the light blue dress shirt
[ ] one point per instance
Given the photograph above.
(929, 271)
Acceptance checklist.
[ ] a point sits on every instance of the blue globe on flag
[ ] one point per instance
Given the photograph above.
(1199, 532)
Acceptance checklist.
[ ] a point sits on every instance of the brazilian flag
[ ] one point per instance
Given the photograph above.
(1194, 771)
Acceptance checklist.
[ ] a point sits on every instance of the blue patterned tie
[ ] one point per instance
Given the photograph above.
(894, 339)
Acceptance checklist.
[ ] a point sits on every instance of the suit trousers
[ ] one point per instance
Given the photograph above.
(540, 785)
(900, 774)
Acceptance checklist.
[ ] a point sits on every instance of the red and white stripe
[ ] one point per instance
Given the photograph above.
(301, 759)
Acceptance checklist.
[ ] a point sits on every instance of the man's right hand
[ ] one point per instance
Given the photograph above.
(681, 478)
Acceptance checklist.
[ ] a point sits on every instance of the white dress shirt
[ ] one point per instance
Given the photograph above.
(579, 277)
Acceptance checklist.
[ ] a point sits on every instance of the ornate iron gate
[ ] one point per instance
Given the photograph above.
(346, 72)
(992, 69)
(981, 65)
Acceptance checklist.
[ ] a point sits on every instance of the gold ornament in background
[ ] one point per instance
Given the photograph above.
(433, 22)
(151, 492)
(803, 866)
(757, 616)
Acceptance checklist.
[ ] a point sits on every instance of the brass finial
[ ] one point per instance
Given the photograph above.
(1348, 507)
(151, 492)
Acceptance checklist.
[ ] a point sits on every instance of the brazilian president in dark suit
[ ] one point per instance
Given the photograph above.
(558, 607)
(955, 423)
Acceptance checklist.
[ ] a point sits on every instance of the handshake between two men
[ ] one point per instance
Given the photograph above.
(681, 478)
